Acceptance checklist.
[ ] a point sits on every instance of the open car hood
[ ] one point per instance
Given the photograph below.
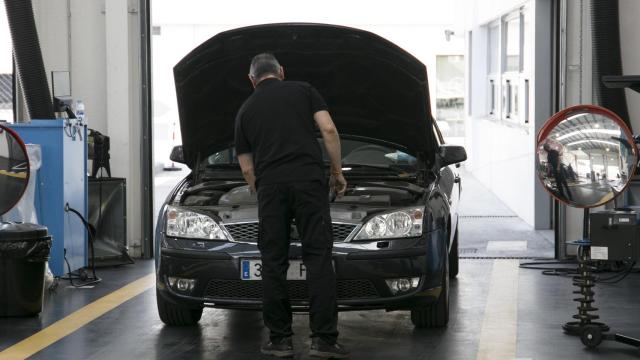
(373, 88)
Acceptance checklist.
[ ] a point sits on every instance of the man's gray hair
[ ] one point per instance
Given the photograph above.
(264, 64)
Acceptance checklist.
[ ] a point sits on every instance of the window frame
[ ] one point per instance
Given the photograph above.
(508, 91)
(493, 78)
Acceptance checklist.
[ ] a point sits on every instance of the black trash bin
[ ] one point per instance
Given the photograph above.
(24, 251)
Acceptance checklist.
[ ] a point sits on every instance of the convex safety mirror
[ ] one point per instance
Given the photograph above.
(14, 169)
(586, 156)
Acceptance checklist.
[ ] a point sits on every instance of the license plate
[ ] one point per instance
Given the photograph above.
(252, 270)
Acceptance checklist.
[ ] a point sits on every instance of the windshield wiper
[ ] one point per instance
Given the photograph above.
(223, 166)
(393, 168)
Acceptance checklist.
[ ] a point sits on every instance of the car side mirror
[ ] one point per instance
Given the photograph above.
(177, 155)
(452, 154)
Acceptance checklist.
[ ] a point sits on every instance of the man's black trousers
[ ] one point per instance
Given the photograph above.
(308, 204)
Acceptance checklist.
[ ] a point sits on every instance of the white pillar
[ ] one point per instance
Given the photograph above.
(122, 124)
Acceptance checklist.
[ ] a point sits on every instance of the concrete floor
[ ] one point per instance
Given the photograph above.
(488, 228)
(134, 331)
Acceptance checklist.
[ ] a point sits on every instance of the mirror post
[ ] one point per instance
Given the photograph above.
(585, 224)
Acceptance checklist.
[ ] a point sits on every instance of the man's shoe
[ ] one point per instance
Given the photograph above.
(280, 348)
(321, 348)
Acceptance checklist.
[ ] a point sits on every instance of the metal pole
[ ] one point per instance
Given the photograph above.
(560, 217)
(147, 129)
(585, 224)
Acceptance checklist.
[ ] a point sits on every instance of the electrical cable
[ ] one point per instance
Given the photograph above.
(618, 276)
(94, 279)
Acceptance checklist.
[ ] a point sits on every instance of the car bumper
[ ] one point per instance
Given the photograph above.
(361, 272)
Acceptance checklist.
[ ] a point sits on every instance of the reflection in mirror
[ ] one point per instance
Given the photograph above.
(587, 158)
(14, 169)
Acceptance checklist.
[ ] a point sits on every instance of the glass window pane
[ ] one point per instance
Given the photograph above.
(450, 90)
(494, 39)
(6, 69)
(527, 45)
(512, 44)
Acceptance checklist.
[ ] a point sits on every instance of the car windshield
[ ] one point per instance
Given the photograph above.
(355, 153)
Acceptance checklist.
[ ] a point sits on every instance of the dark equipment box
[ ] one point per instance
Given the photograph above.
(615, 235)
(107, 214)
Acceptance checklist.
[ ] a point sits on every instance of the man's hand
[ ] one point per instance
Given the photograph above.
(252, 186)
(246, 164)
(337, 183)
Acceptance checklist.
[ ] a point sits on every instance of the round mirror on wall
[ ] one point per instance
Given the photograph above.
(586, 156)
(14, 169)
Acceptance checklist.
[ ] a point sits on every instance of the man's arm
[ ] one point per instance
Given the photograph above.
(246, 164)
(332, 144)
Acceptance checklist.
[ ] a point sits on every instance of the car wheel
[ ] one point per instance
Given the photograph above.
(454, 257)
(176, 315)
(435, 315)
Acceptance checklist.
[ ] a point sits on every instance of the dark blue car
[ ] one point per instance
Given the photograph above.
(395, 230)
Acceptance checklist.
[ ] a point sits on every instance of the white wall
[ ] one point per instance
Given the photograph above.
(98, 42)
(6, 65)
(629, 30)
(88, 60)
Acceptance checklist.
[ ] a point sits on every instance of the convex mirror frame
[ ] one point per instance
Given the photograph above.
(585, 156)
(14, 169)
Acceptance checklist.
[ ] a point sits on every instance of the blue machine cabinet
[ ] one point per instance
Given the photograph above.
(62, 179)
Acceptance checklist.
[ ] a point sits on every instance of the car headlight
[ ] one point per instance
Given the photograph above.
(397, 224)
(188, 224)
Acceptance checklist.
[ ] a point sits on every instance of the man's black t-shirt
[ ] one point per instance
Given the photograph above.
(553, 157)
(275, 124)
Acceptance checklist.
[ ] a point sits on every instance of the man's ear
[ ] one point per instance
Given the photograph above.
(281, 73)
(253, 81)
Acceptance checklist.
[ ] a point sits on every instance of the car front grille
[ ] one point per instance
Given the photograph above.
(249, 231)
(298, 290)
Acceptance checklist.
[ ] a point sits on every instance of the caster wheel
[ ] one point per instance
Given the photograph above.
(591, 336)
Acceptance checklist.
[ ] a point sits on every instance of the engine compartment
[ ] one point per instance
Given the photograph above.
(235, 193)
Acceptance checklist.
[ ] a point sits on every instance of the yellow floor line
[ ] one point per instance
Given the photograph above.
(76, 320)
(19, 175)
(498, 337)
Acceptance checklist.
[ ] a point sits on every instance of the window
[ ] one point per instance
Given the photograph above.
(493, 49)
(450, 89)
(512, 44)
(509, 55)
(6, 70)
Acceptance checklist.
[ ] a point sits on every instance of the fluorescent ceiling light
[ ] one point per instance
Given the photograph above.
(589, 131)
(595, 141)
(576, 116)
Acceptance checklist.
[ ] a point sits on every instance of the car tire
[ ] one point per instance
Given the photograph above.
(176, 315)
(435, 315)
(454, 258)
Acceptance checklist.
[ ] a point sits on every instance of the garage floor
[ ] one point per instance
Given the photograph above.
(488, 228)
(498, 312)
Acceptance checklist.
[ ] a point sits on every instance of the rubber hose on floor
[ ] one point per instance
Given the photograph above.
(28, 59)
(607, 58)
